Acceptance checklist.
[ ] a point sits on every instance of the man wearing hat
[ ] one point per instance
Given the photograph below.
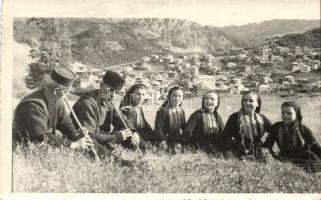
(95, 112)
(42, 112)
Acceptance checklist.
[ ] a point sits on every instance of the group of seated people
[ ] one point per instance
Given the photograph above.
(247, 134)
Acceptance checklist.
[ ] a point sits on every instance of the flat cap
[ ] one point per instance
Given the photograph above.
(63, 76)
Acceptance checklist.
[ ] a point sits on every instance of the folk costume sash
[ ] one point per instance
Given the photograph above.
(251, 127)
(211, 124)
(175, 118)
(290, 137)
(135, 115)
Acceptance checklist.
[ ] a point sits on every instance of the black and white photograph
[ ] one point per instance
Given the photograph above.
(173, 96)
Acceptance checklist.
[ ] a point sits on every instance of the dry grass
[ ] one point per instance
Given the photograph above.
(61, 170)
(48, 169)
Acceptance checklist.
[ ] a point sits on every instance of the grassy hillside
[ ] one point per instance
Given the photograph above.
(62, 170)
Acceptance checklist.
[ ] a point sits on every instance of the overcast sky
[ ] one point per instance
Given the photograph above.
(206, 12)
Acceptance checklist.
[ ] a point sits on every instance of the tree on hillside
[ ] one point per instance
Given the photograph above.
(310, 38)
(53, 51)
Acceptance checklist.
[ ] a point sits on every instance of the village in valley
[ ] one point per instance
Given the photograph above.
(162, 97)
(279, 70)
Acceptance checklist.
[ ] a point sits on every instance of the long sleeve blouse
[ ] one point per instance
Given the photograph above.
(194, 130)
(293, 143)
(136, 116)
(169, 124)
(232, 132)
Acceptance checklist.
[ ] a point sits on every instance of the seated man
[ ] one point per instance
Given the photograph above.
(96, 113)
(40, 113)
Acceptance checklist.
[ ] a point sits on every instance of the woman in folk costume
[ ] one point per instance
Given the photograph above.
(170, 120)
(132, 109)
(204, 127)
(294, 139)
(245, 129)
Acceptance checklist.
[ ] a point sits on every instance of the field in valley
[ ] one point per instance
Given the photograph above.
(62, 170)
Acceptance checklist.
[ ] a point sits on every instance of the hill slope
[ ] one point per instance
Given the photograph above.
(310, 38)
(104, 42)
(254, 33)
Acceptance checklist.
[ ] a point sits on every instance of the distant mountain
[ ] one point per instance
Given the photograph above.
(105, 42)
(256, 33)
(310, 39)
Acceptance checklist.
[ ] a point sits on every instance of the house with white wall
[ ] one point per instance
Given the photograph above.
(315, 64)
(305, 68)
(146, 59)
(80, 69)
(231, 65)
(264, 88)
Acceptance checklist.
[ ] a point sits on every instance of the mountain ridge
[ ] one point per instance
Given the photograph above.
(310, 38)
(256, 33)
(105, 42)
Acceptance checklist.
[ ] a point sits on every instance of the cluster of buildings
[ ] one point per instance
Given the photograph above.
(277, 69)
(264, 69)
(87, 78)
(161, 72)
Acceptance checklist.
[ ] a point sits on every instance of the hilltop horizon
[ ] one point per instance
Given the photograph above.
(259, 22)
